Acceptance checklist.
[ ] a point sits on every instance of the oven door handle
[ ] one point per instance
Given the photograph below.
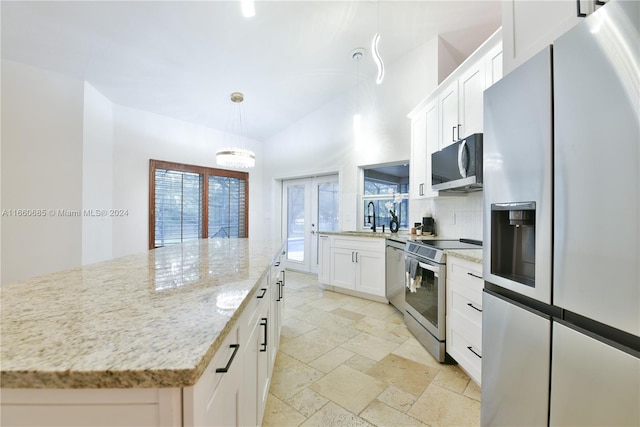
(431, 268)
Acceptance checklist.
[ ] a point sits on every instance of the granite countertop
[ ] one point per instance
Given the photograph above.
(153, 319)
(473, 255)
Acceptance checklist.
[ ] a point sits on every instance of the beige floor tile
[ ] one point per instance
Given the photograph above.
(452, 378)
(370, 346)
(293, 327)
(279, 414)
(411, 349)
(331, 360)
(361, 363)
(397, 398)
(441, 407)
(290, 376)
(379, 414)
(405, 374)
(337, 324)
(307, 402)
(473, 391)
(388, 331)
(348, 387)
(309, 346)
(327, 304)
(377, 310)
(348, 314)
(332, 415)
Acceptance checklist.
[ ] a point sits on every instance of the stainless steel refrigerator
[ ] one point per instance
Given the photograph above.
(561, 305)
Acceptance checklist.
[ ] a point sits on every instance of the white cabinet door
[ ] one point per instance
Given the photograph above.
(449, 121)
(343, 268)
(263, 367)
(370, 273)
(419, 161)
(493, 65)
(216, 398)
(530, 26)
(471, 86)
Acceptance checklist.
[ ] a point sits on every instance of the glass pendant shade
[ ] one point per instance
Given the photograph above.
(236, 158)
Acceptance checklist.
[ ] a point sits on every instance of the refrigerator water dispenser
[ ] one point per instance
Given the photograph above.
(513, 236)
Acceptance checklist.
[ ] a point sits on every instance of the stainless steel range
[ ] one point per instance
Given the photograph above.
(424, 309)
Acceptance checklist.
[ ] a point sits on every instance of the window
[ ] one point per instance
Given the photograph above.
(191, 202)
(388, 185)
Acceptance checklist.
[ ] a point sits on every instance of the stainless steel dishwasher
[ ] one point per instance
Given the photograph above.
(395, 274)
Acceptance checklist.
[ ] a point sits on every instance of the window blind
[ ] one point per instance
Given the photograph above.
(178, 206)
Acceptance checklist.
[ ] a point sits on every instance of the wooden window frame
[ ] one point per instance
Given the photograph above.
(205, 172)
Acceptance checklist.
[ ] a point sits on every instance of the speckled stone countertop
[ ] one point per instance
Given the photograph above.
(153, 319)
(473, 255)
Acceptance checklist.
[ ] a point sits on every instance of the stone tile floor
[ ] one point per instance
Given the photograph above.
(347, 361)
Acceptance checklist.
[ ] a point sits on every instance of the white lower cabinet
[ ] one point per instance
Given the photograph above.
(91, 407)
(464, 314)
(357, 264)
(215, 399)
(232, 391)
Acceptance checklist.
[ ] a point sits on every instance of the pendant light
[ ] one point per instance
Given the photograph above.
(374, 47)
(236, 157)
(357, 55)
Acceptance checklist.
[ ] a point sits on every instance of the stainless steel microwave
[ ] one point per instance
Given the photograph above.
(458, 167)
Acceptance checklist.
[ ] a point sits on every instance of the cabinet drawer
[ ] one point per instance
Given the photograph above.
(465, 273)
(466, 354)
(252, 310)
(470, 331)
(467, 304)
(208, 382)
(374, 244)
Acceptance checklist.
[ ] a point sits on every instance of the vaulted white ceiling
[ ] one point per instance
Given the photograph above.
(184, 58)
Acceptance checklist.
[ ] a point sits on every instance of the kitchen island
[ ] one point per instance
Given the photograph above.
(146, 325)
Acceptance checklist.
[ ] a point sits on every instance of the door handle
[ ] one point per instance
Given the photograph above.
(235, 348)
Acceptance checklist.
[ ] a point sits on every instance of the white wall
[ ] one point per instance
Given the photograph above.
(324, 140)
(41, 169)
(140, 136)
(97, 176)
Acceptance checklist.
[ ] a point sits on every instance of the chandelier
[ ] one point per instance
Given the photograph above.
(236, 157)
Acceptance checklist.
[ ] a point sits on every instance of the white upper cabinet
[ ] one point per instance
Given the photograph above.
(471, 87)
(449, 121)
(453, 111)
(493, 66)
(530, 26)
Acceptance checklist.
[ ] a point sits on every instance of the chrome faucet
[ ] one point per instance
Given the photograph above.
(372, 205)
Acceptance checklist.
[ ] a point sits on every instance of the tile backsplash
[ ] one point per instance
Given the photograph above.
(455, 216)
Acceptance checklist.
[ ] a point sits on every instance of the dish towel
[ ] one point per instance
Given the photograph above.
(413, 274)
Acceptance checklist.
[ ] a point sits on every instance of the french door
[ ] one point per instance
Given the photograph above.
(309, 206)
